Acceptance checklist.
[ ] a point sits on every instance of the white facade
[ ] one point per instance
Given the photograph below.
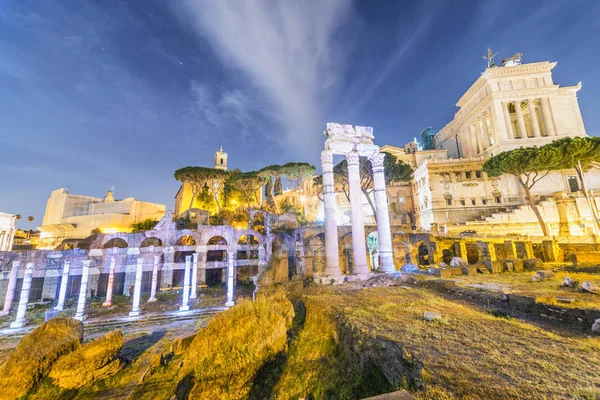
(7, 231)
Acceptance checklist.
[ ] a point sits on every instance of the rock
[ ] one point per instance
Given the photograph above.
(483, 270)
(596, 326)
(410, 268)
(443, 265)
(469, 270)
(458, 262)
(533, 264)
(588, 286)
(542, 275)
(32, 359)
(431, 316)
(93, 361)
(568, 282)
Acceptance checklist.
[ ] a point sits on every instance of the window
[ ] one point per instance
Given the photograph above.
(473, 201)
(401, 199)
(468, 175)
(573, 184)
(462, 202)
(449, 201)
(457, 175)
(221, 161)
(478, 174)
(497, 199)
(484, 201)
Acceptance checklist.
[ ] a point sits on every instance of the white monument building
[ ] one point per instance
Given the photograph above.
(7, 231)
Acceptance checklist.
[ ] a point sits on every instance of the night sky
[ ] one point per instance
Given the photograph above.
(104, 93)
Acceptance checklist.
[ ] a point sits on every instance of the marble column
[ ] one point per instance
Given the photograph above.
(203, 268)
(193, 294)
(535, 127)
(230, 274)
(137, 289)
(547, 116)
(332, 267)
(520, 120)
(25, 289)
(359, 245)
(186, 285)
(110, 284)
(63, 286)
(85, 273)
(154, 279)
(473, 139)
(507, 121)
(2, 240)
(384, 235)
(477, 134)
(10, 289)
(485, 131)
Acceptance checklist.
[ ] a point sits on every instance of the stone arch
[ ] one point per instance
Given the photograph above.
(116, 242)
(217, 241)
(185, 240)
(424, 256)
(402, 250)
(284, 246)
(151, 241)
(247, 240)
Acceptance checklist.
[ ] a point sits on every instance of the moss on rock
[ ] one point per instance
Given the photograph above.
(93, 361)
(35, 354)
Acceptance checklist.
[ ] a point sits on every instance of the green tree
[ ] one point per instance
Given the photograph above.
(579, 153)
(143, 226)
(394, 170)
(297, 173)
(529, 165)
(271, 175)
(198, 177)
(247, 182)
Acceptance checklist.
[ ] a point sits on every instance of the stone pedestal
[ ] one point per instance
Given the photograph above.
(10, 289)
(230, 273)
(384, 235)
(359, 246)
(137, 290)
(63, 286)
(194, 290)
(85, 272)
(110, 284)
(24, 299)
(154, 279)
(332, 267)
(186, 285)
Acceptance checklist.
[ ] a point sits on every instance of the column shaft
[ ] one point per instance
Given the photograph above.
(193, 294)
(85, 273)
(359, 246)
(332, 267)
(507, 121)
(535, 127)
(186, 285)
(24, 299)
(485, 132)
(137, 289)
(230, 274)
(473, 139)
(154, 279)
(477, 133)
(384, 236)
(10, 289)
(63, 286)
(520, 120)
(547, 116)
(110, 284)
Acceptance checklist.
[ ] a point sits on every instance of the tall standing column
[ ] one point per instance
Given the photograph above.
(137, 289)
(154, 279)
(25, 289)
(485, 132)
(477, 134)
(186, 285)
(85, 273)
(547, 116)
(384, 235)
(520, 120)
(110, 284)
(2, 240)
(507, 121)
(332, 267)
(63, 286)
(230, 274)
(474, 143)
(193, 294)
(203, 266)
(359, 245)
(10, 289)
(535, 127)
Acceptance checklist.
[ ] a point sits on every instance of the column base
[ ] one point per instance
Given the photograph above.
(58, 308)
(17, 324)
(193, 297)
(134, 313)
(107, 304)
(229, 304)
(152, 300)
(184, 308)
(3, 313)
(80, 317)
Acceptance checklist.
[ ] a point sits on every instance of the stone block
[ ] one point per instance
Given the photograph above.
(472, 270)
(518, 265)
(533, 264)
(496, 267)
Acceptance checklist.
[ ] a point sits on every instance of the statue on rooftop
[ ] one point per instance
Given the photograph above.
(490, 58)
(512, 60)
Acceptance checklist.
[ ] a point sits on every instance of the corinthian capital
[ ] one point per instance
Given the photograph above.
(326, 157)
(353, 158)
(376, 159)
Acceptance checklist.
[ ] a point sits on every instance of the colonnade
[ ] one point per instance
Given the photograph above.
(6, 239)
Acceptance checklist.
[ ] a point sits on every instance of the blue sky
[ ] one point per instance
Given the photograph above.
(95, 94)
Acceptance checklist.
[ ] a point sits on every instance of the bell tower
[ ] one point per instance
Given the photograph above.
(221, 159)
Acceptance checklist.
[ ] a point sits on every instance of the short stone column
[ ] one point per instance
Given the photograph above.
(535, 127)
(137, 289)
(154, 279)
(110, 284)
(547, 117)
(230, 274)
(359, 245)
(520, 120)
(332, 257)
(85, 274)
(384, 234)
(186, 285)
(25, 289)
(10, 289)
(194, 290)
(63, 286)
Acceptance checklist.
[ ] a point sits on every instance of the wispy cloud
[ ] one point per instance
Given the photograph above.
(288, 50)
